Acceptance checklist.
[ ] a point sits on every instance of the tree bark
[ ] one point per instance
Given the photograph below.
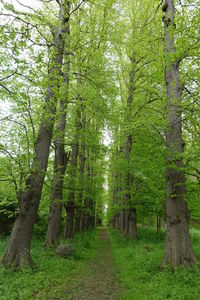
(178, 248)
(82, 159)
(70, 205)
(130, 213)
(18, 250)
(54, 223)
(60, 161)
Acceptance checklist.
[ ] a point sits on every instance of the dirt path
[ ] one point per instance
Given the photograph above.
(96, 280)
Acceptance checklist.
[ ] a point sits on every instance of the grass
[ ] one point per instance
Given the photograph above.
(50, 274)
(135, 263)
(137, 267)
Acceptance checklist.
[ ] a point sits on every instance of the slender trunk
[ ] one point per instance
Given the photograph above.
(69, 226)
(178, 248)
(89, 201)
(70, 205)
(60, 162)
(54, 223)
(158, 224)
(122, 220)
(18, 250)
(77, 221)
(82, 159)
(132, 223)
(130, 229)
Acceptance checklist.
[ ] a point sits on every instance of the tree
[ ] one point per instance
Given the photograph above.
(178, 248)
(18, 249)
(61, 157)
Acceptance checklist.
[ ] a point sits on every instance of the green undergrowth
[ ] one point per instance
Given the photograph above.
(138, 268)
(50, 272)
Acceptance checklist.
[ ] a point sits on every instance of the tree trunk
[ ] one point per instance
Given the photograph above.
(60, 162)
(130, 216)
(89, 201)
(132, 224)
(158, 223)
(53, 230)
(178, 248)
(18, 250)
(69, 226)
(122, 220)
(82, 159)
(70, 205)
(77, 221)
(82, 222)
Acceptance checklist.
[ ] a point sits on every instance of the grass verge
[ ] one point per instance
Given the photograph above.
(50, 274)
(138, 268)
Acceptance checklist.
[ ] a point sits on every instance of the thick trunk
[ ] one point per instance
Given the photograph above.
(178, 248)
(18, 250)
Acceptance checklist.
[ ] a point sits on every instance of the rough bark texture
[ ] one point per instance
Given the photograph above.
(60, 161)
(130, 228)
(178, 248)
(18, 250)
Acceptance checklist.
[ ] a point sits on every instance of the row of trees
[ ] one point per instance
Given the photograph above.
(56, 88)
(158, 130)
(75, 68)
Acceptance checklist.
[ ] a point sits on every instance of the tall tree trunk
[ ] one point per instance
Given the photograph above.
(18, 250)
(82, 159)
(178, 248)
(89, 201)
(70, 205)
(60, 162)
(54, 223)
(130, 229)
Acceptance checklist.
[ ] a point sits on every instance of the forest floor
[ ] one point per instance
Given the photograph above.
(96, 279)
(106, 265)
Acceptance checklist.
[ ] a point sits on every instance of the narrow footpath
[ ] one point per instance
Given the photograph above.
(96, 279)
